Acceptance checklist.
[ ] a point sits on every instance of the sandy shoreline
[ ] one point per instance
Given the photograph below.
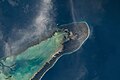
(48, 62)
(56, 56)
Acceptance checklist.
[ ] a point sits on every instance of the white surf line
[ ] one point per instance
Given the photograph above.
(70, 52)
(52, 64)
(43, 18)
(88, 28)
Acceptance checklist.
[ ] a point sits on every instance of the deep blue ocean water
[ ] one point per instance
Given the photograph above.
(98, 58)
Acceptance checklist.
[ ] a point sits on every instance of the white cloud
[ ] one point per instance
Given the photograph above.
(1, 35)
(83, 72)
(12, 2)
(87, 10)
(44, 17)
(22, 37)
(7, 49)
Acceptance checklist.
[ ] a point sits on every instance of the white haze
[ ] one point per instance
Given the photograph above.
(72, 10)
(38, 27)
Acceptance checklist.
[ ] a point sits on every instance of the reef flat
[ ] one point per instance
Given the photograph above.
(35, 61)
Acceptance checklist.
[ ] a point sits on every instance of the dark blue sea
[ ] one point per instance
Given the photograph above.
(97, 59)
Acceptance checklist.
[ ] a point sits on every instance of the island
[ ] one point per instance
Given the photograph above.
(33, 62)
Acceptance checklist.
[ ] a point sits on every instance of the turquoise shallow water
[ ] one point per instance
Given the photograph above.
(24, 65)
(99, 57)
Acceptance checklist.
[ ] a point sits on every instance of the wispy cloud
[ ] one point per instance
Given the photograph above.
(44, 16)
(91, 10)
(13, 2)
(37, 29)
(1, 35)
(82, 73)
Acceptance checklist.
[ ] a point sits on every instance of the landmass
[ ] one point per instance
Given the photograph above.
(36, 60)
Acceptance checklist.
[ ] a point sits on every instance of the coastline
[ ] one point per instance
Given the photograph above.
(33, 63)
(58, 55)
(47, 63)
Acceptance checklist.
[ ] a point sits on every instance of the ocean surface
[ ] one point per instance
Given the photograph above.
(97, 59)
